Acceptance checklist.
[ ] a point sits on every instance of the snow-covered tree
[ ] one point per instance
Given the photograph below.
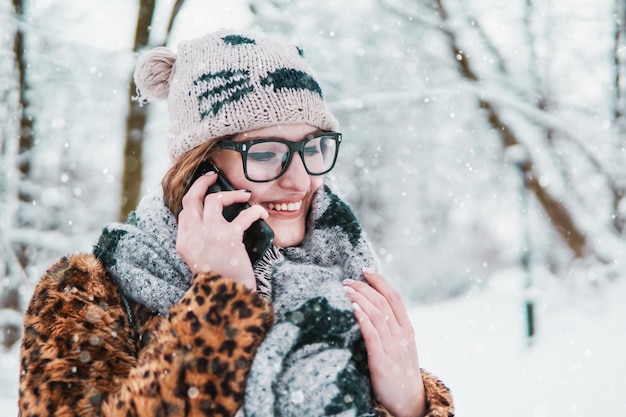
(455, 114)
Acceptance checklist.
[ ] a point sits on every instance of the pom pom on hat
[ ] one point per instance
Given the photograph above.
(228, 82)
(152, 74)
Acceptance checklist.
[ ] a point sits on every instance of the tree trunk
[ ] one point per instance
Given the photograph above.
(557, 213)
(132, 175)
(15, 258)
(619, 111)
(135, 121)
(26, 138)
(26, 123)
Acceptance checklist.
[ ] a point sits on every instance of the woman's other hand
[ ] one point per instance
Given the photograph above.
(390, 341)
(207, 241)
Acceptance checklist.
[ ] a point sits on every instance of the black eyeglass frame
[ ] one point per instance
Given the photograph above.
(243, 147)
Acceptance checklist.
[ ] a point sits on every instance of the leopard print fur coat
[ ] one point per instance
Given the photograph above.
(86, 351)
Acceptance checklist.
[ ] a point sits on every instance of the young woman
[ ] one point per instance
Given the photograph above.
(173, 316)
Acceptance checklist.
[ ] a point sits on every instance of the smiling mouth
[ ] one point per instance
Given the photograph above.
(285, 206)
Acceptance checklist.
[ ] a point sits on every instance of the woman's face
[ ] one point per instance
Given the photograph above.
(288, 198)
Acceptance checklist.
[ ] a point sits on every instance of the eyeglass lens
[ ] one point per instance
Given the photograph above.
(267, 160)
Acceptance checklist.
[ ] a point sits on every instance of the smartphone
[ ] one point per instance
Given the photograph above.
(259, 237)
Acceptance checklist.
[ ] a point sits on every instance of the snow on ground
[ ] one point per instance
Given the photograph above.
(476, 345)
(575, 366)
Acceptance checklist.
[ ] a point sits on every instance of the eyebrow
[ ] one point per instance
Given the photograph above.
(238, 139)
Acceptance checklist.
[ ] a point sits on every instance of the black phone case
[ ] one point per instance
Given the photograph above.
(258, 238)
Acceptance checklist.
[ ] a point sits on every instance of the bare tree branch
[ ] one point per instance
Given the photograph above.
(559, 215)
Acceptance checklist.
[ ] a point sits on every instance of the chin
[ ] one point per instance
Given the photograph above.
(285, 236)
(285, 242)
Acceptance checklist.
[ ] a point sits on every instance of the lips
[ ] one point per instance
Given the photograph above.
(285, 206)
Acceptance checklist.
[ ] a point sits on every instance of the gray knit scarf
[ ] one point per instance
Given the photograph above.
(313, 361)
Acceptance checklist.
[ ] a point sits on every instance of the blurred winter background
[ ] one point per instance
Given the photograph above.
(484, 153)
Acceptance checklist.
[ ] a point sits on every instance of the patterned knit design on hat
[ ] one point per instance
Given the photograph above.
(229, 82)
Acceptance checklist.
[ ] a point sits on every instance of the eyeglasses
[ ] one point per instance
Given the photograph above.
(265, 160)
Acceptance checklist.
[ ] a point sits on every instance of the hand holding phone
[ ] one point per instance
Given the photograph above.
(259, 237)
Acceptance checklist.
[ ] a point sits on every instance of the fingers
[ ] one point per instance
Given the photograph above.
(248, 216)
(390, 343)
(370, 331)
(214, 205)
(392, 297)
(374, 315)
(193, 200)
(199, 187)
(371, 304)
(196, 197)
(196, 202)
(206, 240)
(379, 308)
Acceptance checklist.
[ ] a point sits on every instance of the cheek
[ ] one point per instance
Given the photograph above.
(316, 183)
(230, 164)
(232, 169)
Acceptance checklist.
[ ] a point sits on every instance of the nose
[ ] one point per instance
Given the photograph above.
(296, 176)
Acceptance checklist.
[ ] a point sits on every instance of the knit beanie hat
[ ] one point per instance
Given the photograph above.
(227, 82)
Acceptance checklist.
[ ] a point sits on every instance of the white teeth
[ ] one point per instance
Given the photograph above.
(285, 207)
